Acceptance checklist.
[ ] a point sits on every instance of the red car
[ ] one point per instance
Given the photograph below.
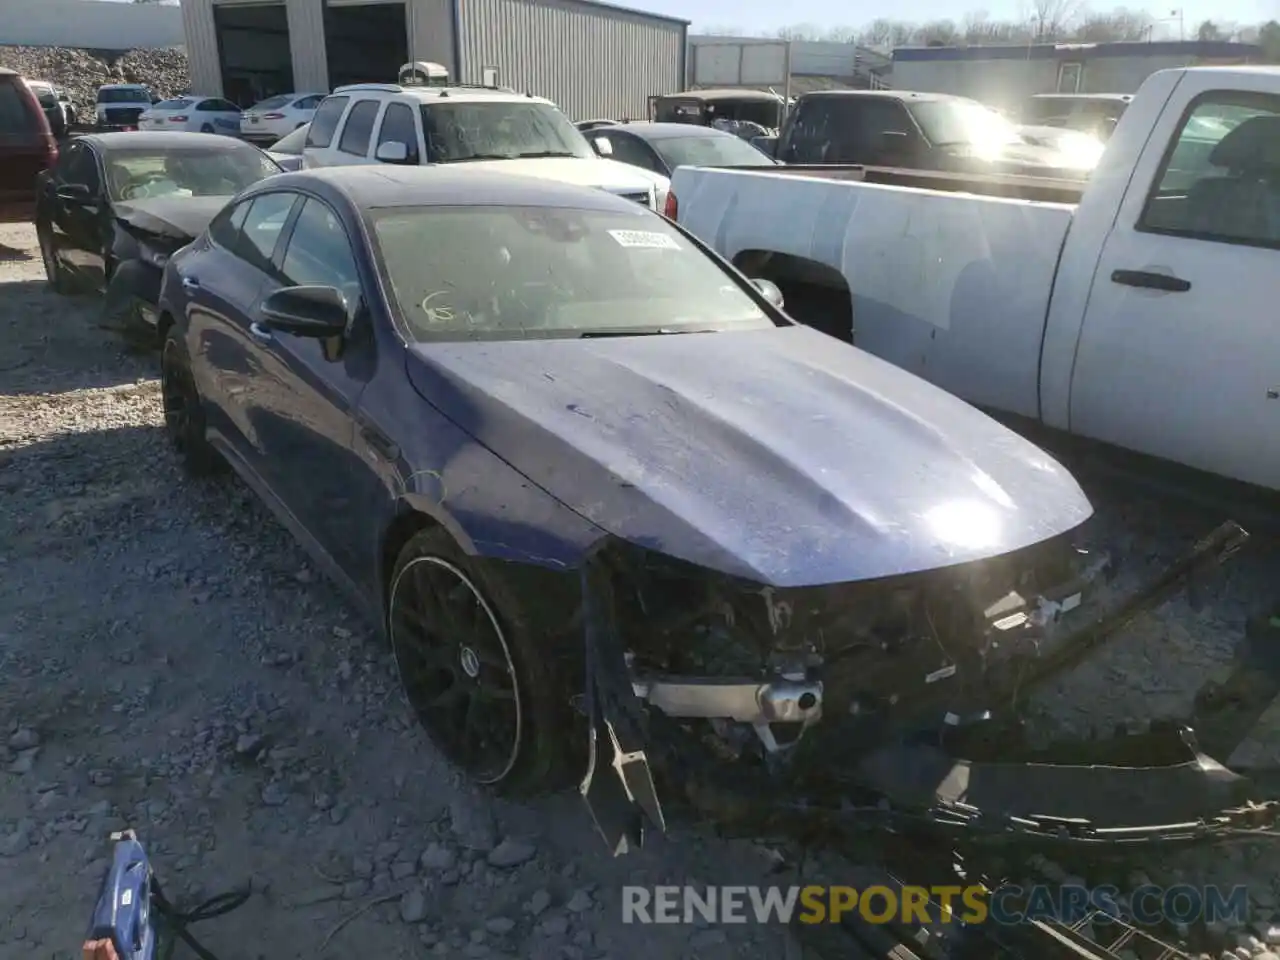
(27, 147)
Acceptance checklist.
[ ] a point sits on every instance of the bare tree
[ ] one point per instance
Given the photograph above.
(1050, 19)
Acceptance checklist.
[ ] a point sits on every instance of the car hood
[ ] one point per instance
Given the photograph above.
(777, 455)
(581, 171)
(176, 217)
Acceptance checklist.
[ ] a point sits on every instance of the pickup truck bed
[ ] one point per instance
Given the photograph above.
(1137, 311)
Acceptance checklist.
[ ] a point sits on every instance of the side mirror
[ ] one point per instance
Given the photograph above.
(603, 146)
(392, 151)
(74, 193)
(308, 311)
(769, 290)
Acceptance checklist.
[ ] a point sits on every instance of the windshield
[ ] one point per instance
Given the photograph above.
(727, 151)
(123, 96)
(519, 273)
(962, 122)
(291, 142)
(185, 172)
(499, 130)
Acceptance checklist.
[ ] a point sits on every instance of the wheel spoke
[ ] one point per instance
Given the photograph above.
(441, 631)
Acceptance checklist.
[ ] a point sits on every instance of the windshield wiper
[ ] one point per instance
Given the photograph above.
(646, 332)
(534, 155)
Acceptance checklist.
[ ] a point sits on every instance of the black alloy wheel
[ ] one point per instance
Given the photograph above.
(183, 415)
(456, 667)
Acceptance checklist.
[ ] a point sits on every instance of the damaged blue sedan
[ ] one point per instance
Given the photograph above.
(621, 519)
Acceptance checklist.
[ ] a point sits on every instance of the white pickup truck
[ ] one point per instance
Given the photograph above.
(1145, 315)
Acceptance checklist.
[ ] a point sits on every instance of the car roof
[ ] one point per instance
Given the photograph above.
(122, 86)
(6, 72)
(918, 96)
(181, 140)
(426, 93)
(666, 131)
(1125, 97)
(723, 93)
(371, 187)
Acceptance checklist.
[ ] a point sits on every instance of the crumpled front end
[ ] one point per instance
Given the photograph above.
(879, 704)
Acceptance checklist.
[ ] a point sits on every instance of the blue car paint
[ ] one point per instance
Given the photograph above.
(777, 454)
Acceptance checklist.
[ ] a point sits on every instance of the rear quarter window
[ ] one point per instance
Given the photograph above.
(325, 121)
(16, 114)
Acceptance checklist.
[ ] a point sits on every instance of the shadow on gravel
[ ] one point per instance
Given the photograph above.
(10, 254)
(50, 343)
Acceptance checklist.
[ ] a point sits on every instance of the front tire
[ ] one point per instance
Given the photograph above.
(474, 670)
(54, 272)
(183, 411)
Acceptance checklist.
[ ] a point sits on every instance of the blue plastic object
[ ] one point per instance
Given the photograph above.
(123, 911)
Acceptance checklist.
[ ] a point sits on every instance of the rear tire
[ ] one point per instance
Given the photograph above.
(183, 411)
(207, 128)
(474, 669)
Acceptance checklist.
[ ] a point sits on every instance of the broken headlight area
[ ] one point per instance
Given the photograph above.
(859, 703)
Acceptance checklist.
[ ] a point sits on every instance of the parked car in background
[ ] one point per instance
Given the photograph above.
(287, 151)
(193, 115)
(274, 117)
(1141, 315)
(917, 131)
(27, 147)
(56, 104)
(484, 403)
(490, 126)
(661, 147)
(117, 204)
(120, 104)
(1095, 114)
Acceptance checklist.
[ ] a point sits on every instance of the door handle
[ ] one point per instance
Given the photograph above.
(260, 332)
(380, 443)
(190, 284)
(1151, 281)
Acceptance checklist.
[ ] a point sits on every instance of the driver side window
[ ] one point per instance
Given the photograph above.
(633, 151)
(78, 165)
(319, 251)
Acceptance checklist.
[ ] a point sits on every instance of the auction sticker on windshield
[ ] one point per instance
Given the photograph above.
(644, 239)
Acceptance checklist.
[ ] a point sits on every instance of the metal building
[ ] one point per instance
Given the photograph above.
(593, 59)
(1004, 76)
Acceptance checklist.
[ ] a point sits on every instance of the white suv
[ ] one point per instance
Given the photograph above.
(504, 130)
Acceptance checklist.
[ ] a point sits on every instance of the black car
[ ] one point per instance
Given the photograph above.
(661, 147)
(116, 205)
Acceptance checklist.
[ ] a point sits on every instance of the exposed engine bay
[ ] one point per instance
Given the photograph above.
(885, 704)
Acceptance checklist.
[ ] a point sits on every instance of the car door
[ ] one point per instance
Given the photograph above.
(304, 412)
(399, 125)
(77, 223)
(1178, 356)
(223, 284)
(214, 115)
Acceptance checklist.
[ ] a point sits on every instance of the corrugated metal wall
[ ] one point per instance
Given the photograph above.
(592, 61)
(202, 47)
(306, 44)
(89, 23)
(431, 32)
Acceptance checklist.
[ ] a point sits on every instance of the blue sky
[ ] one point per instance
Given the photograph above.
(764, 15)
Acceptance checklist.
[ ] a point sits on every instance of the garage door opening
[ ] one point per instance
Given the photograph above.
(365, 43)
(253, 49)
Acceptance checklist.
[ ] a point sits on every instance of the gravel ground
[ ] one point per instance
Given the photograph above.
(171, 662)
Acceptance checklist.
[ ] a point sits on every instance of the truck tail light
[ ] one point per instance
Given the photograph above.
(672, 207)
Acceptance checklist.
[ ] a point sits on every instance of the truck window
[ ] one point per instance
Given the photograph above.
(359, 127)
(841, 129)
(1220, 180)
(325, 121)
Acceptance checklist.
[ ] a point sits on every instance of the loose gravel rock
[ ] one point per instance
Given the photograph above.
(164, 666)
(81, 72)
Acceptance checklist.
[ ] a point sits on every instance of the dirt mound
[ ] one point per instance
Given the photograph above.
(81, 72)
